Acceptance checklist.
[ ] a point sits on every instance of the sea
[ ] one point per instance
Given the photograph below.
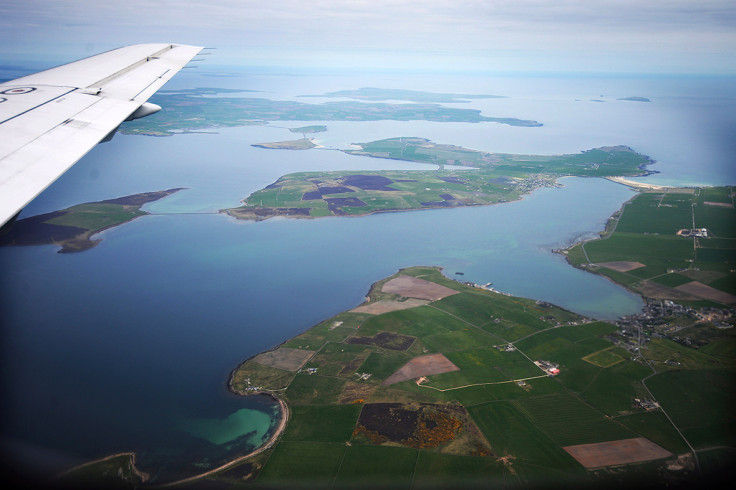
(127, 347)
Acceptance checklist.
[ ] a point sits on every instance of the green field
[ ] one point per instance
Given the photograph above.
(511, 433)
(604, 358)
(308, 464)
(646, 232)
(568, 421)
(700, 402)
(322, 423)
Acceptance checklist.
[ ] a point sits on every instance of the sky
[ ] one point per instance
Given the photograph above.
(621, 36)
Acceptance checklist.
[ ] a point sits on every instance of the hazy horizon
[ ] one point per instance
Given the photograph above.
(565, 36)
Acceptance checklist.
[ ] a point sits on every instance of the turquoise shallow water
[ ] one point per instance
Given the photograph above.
(244, 422)
(128, 346)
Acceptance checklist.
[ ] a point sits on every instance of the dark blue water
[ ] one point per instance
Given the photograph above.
(127, 345)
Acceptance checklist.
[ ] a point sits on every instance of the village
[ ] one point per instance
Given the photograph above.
(664, 319)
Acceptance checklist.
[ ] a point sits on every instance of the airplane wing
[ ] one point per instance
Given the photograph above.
(51, 119)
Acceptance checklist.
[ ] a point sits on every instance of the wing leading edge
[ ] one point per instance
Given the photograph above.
(51, 119)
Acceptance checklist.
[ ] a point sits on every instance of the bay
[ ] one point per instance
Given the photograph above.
(130, 338)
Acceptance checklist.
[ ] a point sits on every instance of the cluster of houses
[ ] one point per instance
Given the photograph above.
(693, 232)
(646, 404)
(551, 368)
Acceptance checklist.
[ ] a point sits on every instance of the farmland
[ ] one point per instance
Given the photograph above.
(486, 411)
(693, 270)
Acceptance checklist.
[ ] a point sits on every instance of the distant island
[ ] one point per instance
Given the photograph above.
(495, 178)
(300, 144)
(375, 94)
(198, 109)
(72, 228)
(318, 128)
(635, 99)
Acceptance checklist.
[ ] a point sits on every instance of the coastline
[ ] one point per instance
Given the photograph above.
(638, 185)
(467, 196)
(254, 217)
(140, 474)
(285, 413)
(144, 477)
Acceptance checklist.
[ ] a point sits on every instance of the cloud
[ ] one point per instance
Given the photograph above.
(574, 27)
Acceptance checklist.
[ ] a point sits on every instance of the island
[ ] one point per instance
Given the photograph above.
(300, 144)
(495, 178)
(72, 228)
(635, 99)
(317, 128)
(374, 94)
(201, 108)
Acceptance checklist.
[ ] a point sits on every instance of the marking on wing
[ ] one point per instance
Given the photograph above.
(8, 92)
(18, 90)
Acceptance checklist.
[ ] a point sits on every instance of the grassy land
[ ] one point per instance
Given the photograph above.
(317, 128)
(510, 433)
(72, 228)
(646, 233)
(496, 178)
(700, 402)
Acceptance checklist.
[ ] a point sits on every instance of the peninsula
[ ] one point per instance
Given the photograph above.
(201, 108)
(495, 178)
(72, 228)
(672, 245)
(433, 381)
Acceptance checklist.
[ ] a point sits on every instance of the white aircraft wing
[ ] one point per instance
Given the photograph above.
(50, 119)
